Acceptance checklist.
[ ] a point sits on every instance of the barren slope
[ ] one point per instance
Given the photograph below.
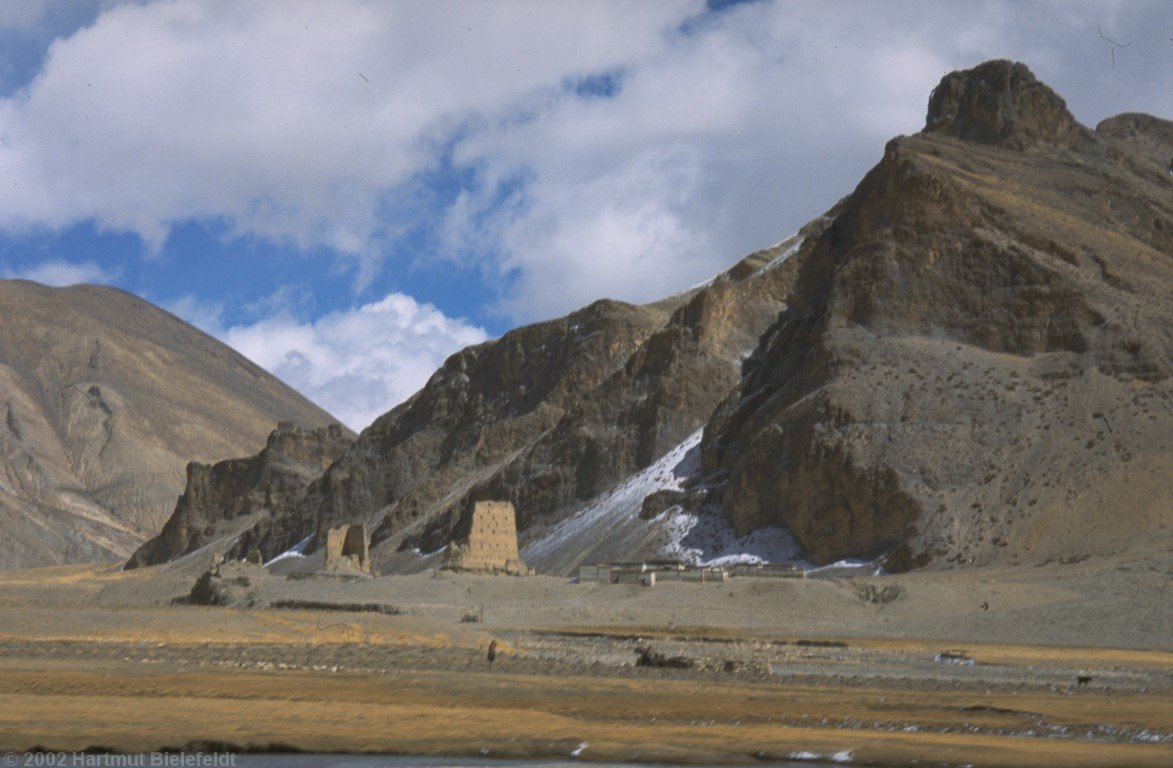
(105, 399)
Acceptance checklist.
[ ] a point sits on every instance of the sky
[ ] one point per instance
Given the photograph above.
(348, 191)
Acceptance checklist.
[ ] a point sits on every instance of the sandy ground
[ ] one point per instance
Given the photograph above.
(771, 669)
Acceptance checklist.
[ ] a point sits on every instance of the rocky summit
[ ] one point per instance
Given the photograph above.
(966, 361)
(104, 399)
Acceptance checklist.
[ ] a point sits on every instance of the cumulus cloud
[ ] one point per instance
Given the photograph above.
(586, 149)
(358, 363)
(59, 272)
(292, 121)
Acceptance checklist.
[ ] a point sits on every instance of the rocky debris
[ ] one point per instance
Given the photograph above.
(646, 657)
(880, 595)
(658, 502)
(231, 583)
(219, 497)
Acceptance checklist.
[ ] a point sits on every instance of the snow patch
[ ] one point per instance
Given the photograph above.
(774, 262)
(621, 503)
(707, 538)
(297, 550)
(704, 538)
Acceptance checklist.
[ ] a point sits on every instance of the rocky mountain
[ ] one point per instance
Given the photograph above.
(105, 398)
(967, 360)
(225, 498)
(975, 364)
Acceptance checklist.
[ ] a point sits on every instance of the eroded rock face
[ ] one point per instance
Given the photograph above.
(1001, 103)
(941, 385)
(219, 497)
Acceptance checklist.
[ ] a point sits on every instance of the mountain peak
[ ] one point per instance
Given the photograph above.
(1001, 103)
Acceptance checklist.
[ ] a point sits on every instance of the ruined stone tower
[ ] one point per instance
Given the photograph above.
(491, 544)
(346, 546)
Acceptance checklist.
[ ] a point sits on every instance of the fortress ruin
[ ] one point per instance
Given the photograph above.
(347, 546)
(491, 544)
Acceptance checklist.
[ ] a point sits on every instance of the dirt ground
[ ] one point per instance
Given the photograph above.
(976, 667)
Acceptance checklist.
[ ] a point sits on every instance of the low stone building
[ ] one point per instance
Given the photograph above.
(491, 544)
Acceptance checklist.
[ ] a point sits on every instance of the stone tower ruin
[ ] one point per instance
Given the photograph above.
(491, 544)
(347, 546)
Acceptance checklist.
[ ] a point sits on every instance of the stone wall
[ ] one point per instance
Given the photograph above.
(491, 544)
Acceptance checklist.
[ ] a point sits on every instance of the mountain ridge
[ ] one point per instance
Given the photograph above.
(963, 362)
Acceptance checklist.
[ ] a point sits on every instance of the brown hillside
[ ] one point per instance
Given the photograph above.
(105, 399)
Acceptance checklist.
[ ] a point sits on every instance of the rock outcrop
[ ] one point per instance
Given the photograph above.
(1001, 103)
(104, 399)
(222, 499)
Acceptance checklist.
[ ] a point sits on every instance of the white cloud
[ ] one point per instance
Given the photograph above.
(286, 120)
(315, 124)
(58, 272)
(360, 363)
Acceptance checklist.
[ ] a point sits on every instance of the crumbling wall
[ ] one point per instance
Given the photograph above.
(347, 546)
(491, 544)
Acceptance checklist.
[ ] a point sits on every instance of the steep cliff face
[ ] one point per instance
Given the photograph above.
(485, 405)
(546, 417)
(978, 357)
(224, 498)
(104, 399)
(968, 360)
(665, 390)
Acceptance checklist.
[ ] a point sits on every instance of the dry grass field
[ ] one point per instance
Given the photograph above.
(93, 658)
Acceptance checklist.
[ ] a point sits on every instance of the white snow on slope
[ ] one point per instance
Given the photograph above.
(769, 265)
(700, 538)
(621, 503)
(786, 254)
(707, 538)
(704, 537)
(297, 550)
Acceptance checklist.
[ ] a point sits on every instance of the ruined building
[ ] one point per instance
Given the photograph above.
(491, 544)
(347, 548)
